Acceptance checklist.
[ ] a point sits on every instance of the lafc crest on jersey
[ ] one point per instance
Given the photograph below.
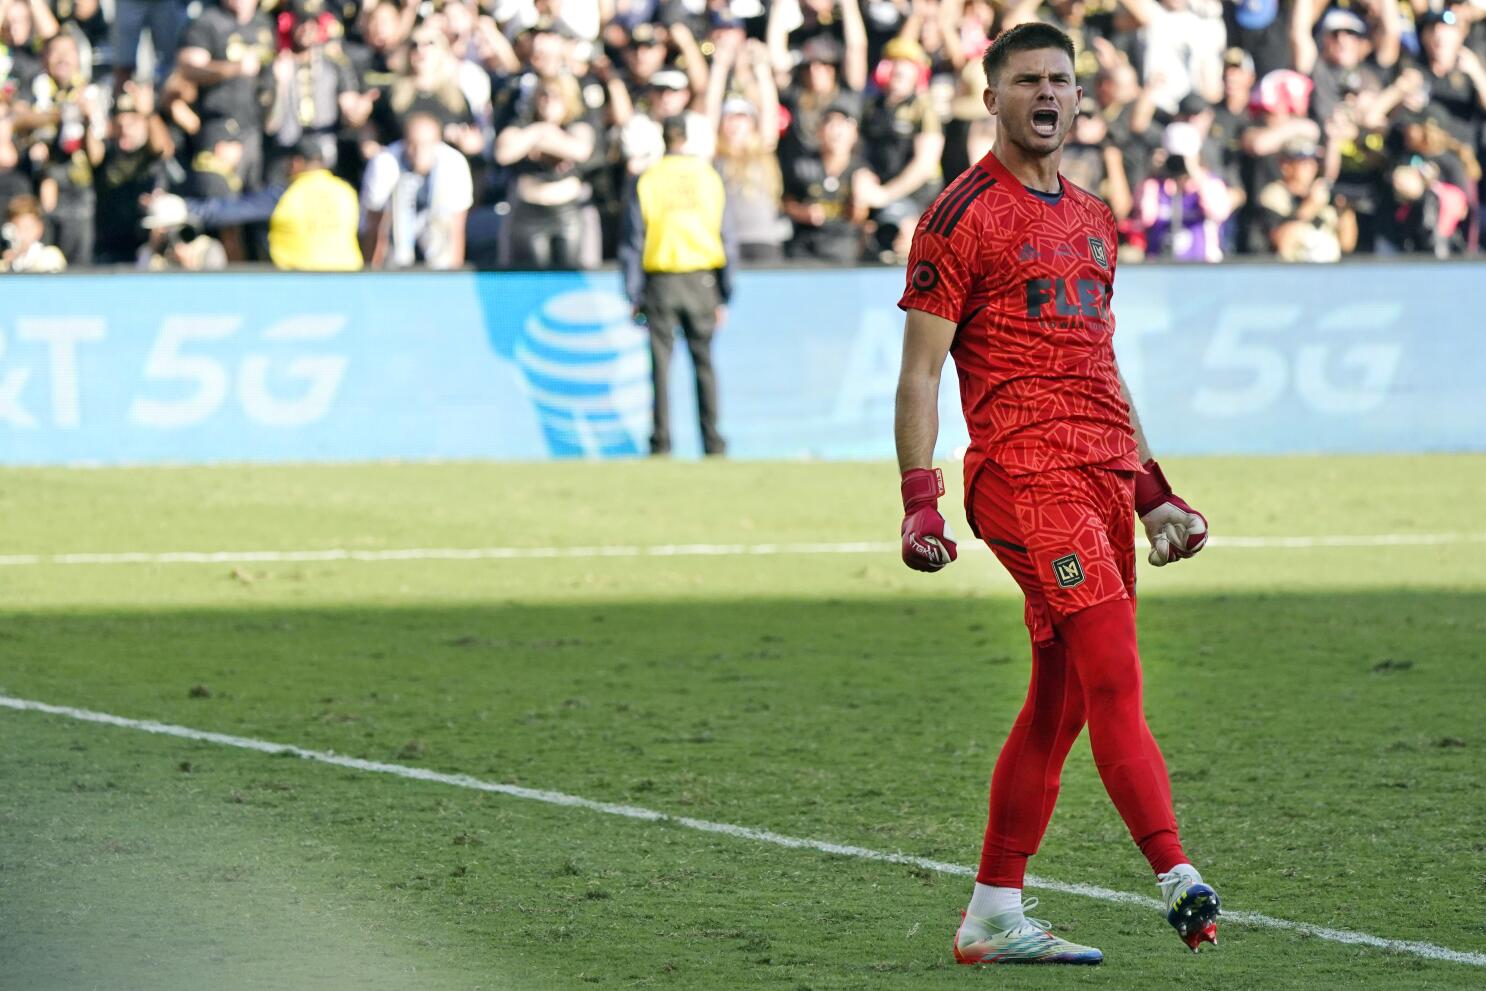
(1099, 252)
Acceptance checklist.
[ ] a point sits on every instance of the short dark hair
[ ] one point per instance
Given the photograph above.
(309, 149)
(673, 131)
(1027, 37)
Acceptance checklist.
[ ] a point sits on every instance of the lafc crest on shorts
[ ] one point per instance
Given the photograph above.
(1068, 571)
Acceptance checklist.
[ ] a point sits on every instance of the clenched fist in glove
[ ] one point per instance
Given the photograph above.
(1175, 529)
(928, 544)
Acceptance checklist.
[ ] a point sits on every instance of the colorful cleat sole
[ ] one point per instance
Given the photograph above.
(1194, 916)
(1029, 944)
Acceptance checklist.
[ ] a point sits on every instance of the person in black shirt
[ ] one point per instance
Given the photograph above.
(819, 85)
(132, 167)
(902, 138)
(21, 44)
(226, 52)
(432, 88)
(13, 180)
(313, 87)
(1261, 28)
(1343, 60)
(825, 193)
(1454, 74)
(65, 121)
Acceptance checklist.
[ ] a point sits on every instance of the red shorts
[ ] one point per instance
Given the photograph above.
(1066, 535)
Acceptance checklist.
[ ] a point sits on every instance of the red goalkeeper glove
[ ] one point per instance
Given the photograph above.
(1175, 529)
(928, 544)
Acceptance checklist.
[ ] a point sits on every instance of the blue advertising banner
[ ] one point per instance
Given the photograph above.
(113, 369)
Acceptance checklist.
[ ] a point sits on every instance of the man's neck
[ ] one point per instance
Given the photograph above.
(835, 161)
(1039, 172)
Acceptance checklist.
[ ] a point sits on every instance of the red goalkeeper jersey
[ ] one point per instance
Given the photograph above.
(1027, 280)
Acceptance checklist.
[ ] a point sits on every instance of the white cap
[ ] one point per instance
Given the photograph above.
(166, 211)
(1181, 139)
(738, 105)
(670, 79)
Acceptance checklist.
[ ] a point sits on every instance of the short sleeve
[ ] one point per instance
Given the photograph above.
(379, 181)
(941, 270)
(199, 34)
(929, 122)
(454, 191)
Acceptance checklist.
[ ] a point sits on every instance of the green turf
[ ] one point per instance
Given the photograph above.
(1321, 711)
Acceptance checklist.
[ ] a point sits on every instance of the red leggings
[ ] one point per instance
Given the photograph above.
(1085, 669)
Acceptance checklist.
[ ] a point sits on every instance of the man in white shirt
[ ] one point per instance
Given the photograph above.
(416, 194)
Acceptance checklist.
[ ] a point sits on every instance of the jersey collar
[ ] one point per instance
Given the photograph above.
(993, 165)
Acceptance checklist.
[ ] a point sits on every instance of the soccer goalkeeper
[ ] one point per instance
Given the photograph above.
(1012, 271)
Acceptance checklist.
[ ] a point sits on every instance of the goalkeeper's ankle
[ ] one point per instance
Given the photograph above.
(994, 909)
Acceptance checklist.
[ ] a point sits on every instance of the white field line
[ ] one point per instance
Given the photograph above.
(1430, 951)
(664, 550)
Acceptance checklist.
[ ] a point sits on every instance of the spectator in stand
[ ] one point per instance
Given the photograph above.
(1092, 161)
(669, 95)
(431, 88)
(1454, 75)
(216, 167)
(133, 166)
(374, 57)
(25, 250)
(1279, 114)
(25, 25)
(903, 141)
(170, 245)
(1428, 175)
(826, 192)
(165, 20)
(969, 130)
(1127, 111)
(545, 227)
(13, 180)
(416, 195)
(798, 24)
(314, 88)
(1230, 117)
(87, 21)
(1351, 56)
(1297, 213)
(819, 84)
(1183, 206)
(1183, 49)
(1426, 213)
(747, 142)
(225, 52)
(1263, 31)
(644, 52)
(478, 49)
(66, 123)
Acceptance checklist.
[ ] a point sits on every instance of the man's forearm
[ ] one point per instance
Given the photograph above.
(916, 420)
(211, 73)
(1142, 449)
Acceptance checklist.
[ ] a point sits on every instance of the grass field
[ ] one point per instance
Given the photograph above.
(1322, 710)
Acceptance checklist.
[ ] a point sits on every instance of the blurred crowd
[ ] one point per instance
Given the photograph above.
(338, 134)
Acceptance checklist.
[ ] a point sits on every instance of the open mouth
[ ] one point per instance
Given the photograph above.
(1045, 122)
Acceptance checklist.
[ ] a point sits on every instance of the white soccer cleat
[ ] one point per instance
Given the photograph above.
(1026, 941)
(1192, 907)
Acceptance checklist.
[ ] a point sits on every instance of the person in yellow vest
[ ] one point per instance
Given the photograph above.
(675, 250)
(312, 221)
